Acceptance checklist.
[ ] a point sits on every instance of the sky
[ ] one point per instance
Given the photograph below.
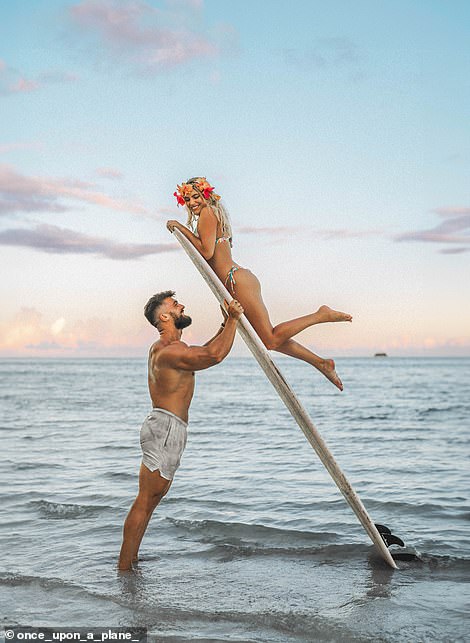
(337, 134)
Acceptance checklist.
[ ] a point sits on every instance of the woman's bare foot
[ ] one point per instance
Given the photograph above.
(327, 314)
(328, 370)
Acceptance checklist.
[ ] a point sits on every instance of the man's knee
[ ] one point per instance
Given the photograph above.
(153, 497)
(147, 501)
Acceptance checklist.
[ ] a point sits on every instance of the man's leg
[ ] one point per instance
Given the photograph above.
(152, 488)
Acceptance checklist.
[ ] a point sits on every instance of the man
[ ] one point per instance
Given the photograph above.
(171, 367)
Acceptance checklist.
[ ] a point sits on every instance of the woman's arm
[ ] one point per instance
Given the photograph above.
(207, 229)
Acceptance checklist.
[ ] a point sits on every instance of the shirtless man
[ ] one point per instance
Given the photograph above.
(171, 367)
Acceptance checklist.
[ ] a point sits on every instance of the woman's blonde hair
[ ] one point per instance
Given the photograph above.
(218, 209)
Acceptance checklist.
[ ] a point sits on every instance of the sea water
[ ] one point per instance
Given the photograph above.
(254, 542)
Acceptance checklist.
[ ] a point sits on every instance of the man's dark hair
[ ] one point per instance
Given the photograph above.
(154, 303)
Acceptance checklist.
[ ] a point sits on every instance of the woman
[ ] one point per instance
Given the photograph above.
(213, 239)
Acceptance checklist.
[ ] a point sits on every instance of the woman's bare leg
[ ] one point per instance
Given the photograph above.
(325, 366)
(248, 293)
(288, 329)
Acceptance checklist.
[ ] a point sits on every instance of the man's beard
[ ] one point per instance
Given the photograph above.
(183, 321)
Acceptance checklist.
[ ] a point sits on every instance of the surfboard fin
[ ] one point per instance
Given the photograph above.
(388, 537)
(382, 529)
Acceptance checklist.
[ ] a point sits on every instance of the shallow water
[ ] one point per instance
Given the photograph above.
(254, 542)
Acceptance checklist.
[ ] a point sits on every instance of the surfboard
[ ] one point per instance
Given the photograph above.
(289, 398)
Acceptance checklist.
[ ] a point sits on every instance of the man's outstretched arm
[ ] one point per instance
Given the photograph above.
(221, 328)
(209, 341)
(197, 358)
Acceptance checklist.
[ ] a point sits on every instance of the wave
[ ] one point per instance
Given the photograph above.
(328, 554)
(11, 579)
(58, 510)
(205, 502)
(114, 447)
(120, 475)
(220, 621)
(239, 540)
(377, 416)
(274, 625)
(237, 531)
(455, 568)
(208, 624)
(27, 466)
(444, 409)
(425, 509)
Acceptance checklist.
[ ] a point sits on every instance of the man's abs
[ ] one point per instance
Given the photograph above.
(172, 391)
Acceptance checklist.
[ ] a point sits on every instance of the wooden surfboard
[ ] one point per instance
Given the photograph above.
(289, 398)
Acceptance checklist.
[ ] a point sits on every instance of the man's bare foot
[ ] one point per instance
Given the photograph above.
(327, 314)
(127, 565)
(328, 370)
(123, 567)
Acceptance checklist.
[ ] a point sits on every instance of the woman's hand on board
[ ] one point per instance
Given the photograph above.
(172, 224)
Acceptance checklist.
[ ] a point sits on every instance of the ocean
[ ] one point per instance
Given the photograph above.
(254, 542)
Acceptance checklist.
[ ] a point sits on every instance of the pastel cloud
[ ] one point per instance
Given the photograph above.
(21, 329)
(52, 77)
(109, 173)
(455, 228)
(195, 5)
(428, 344)
(6, 148)
(452, 212)
(454, 251)
(282, 232)
(13, 81)
(325, 53)
(22, 86)
(20, 193)
(58, 326)
(29, 333)
(148, 38)
(56, 240)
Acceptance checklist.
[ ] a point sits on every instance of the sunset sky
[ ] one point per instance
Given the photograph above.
(337, 133)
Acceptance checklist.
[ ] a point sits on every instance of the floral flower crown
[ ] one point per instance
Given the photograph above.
(202, 185)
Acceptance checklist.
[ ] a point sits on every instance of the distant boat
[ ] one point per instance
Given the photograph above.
(380, 355)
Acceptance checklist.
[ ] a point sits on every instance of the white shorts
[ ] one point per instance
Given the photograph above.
(163, 438)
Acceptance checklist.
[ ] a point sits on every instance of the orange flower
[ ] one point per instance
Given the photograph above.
(185, 189)
(204, 185)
